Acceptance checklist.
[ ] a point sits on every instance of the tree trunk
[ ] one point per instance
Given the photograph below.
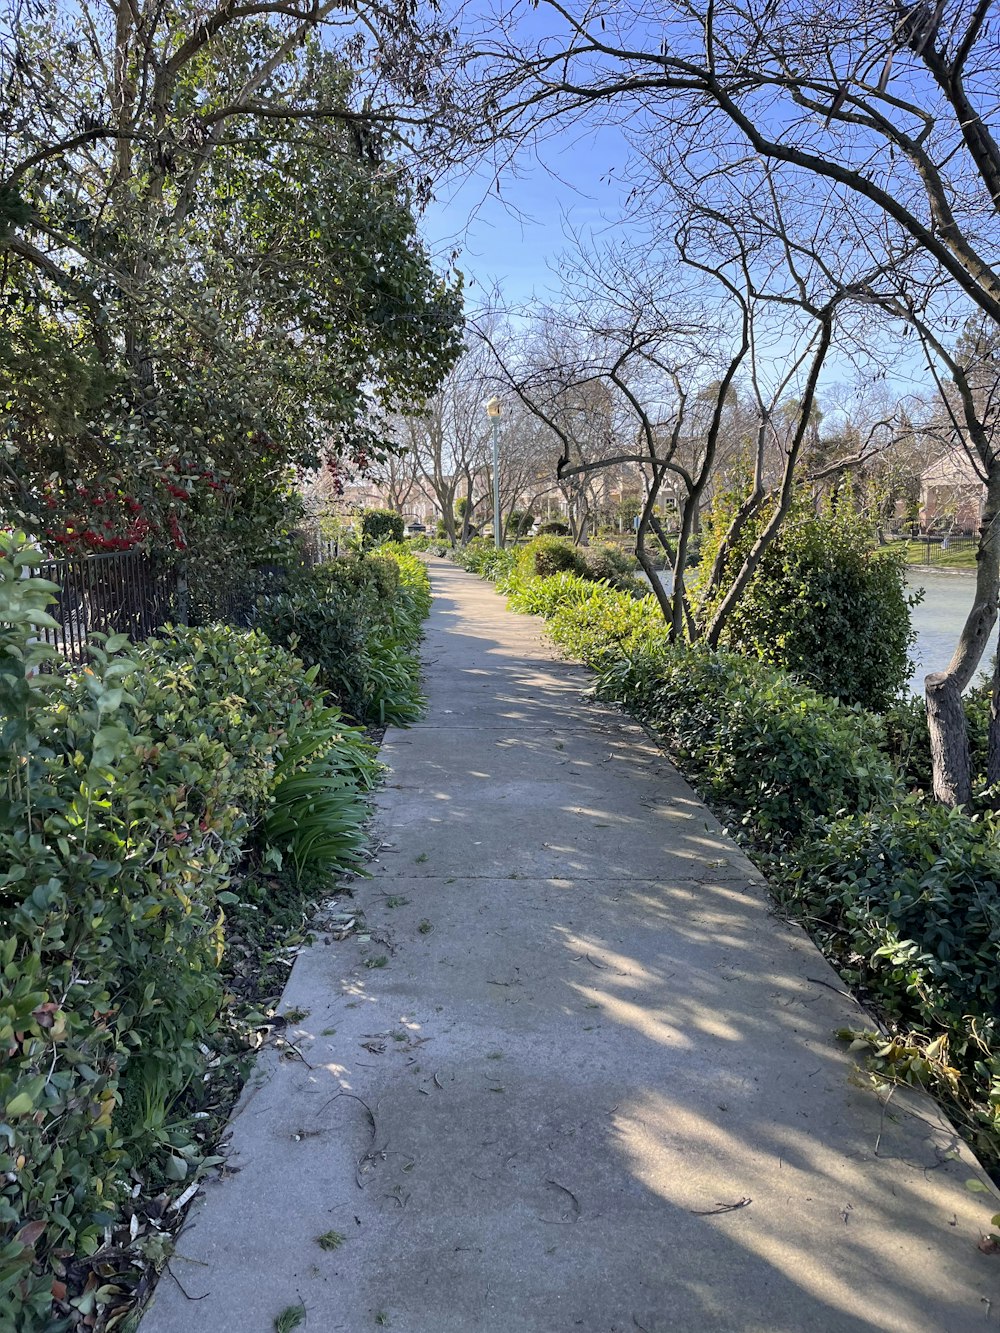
(648, 519)
(950, 759)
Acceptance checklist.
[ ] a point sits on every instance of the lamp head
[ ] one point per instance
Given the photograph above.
(494, 407)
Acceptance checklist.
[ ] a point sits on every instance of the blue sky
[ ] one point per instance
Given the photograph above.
(508, 240)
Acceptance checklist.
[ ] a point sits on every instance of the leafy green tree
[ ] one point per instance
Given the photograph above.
(209, 269)
(825, 602)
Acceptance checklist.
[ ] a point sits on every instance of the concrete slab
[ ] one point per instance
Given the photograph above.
(579, 1078)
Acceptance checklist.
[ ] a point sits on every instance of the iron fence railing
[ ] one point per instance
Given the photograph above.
(128, 592)
(114, 592)
(930, 548)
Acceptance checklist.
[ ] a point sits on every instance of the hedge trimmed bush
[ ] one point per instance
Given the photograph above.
(380, 525)
(129, 791)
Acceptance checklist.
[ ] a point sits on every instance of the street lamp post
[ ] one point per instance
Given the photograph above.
(493, 410)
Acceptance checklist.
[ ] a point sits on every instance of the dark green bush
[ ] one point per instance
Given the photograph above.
(611, 565)
(825, 603)
(545, 556)
(358, 619)
(519, 522)
(380, 525)
(907, 898)
(553, 527)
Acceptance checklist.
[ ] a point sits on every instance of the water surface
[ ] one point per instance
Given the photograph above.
(938, 620)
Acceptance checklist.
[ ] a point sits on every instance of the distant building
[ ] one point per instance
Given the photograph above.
(952, 494)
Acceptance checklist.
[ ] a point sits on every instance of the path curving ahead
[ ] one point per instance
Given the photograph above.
(605, 1087)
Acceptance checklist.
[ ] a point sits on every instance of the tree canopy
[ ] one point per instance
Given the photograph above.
(209, 265)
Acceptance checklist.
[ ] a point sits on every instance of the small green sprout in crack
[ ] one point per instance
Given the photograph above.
(290, 1318)
(425, 927)
(419, 860)
(330, 1240)
(395, 900)
(380, 961)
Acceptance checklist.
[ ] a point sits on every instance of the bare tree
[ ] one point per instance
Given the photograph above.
(880, 116)
(449, 440)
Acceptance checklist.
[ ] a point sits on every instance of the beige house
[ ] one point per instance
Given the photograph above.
(952, 494)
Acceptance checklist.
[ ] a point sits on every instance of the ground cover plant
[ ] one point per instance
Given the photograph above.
(902, 894)
(166, 803)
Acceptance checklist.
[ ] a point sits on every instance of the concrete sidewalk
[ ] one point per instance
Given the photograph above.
(593, 1086)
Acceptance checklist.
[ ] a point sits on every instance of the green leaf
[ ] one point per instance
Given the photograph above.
(175, 1168)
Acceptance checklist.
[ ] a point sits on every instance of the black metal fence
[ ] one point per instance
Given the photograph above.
(935, 552)
(933, 549)
(115, 592)
(128, 592)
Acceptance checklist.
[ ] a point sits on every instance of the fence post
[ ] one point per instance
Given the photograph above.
(183, 594)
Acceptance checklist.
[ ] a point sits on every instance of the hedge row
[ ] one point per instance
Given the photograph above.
(902, 894)
(357, 620)
(130, 792)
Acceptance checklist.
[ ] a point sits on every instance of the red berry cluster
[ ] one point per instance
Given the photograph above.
(333, 468)
(106, 518)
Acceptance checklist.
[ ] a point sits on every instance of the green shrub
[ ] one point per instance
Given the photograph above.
(358, 620)
(554, 527)
(519, 522)
(610, 564)
(233, 685)
(592, 622)
(907, 899)
(545, 556)
(380, 525)
(825, 603)
(482, 557)
(776, 753)
(127, 792)
(114, 847)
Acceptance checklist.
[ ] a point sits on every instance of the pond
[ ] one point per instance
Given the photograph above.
(939, 618)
